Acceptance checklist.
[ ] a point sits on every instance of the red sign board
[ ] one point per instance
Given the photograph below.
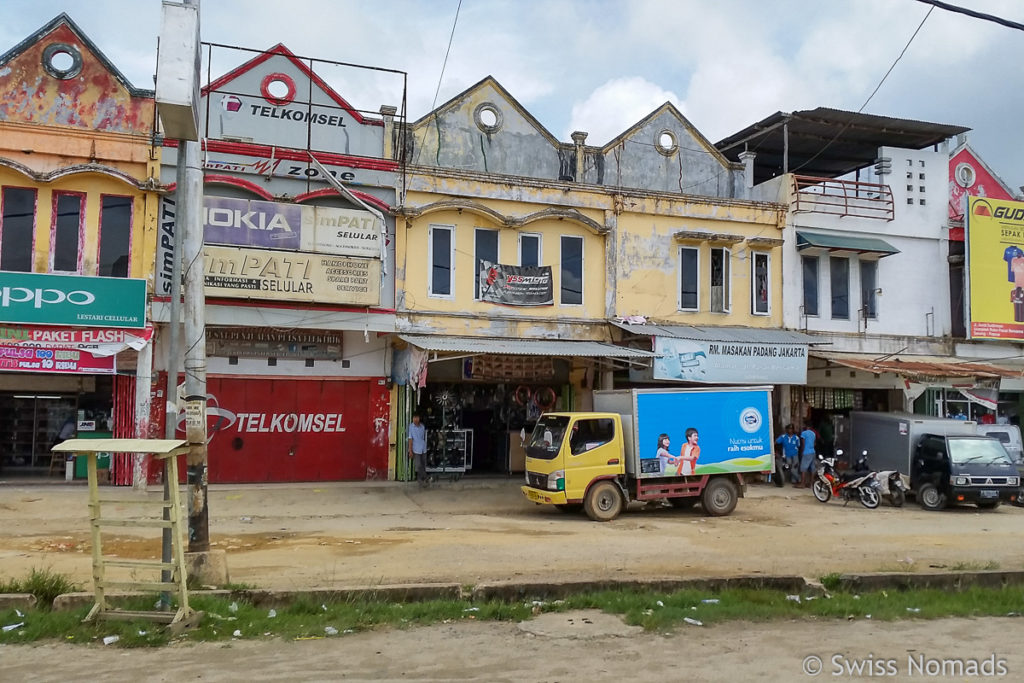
(275, 430)
(15, 358)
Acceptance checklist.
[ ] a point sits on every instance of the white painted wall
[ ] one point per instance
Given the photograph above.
(914, 282)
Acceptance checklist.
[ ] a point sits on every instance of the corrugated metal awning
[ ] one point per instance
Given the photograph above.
(922, 368)
(748, 335)
(523, 347)
(830, 242)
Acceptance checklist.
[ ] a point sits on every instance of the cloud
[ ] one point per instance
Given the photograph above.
(615, 106)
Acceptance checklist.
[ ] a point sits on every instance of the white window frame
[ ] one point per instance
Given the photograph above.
(540, 246)
(753, 282)
(430, 262)
(679, 279)
(583, 270)
(726, 280)
(476, 261)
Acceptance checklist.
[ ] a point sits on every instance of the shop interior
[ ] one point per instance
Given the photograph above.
(31, 423)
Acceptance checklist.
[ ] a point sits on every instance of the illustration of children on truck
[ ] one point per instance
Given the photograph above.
(689, 453)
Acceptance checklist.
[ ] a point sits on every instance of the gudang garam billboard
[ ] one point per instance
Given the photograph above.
(995, 264)
(703, 432)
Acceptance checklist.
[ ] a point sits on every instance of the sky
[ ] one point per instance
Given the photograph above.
(602, 65)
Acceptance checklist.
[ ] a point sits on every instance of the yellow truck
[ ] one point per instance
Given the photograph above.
(686, 446)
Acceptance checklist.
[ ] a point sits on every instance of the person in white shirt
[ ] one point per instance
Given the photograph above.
(418, 448)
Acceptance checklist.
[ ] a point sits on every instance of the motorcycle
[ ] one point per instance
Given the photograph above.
(893, 487)
(860, 484)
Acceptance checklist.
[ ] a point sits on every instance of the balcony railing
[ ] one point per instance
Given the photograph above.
(842, 198)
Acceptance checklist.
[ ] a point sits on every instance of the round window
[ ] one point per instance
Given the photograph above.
(62, 61)
(964, 174)
(487, 117)
(278, 89)
(665, 142)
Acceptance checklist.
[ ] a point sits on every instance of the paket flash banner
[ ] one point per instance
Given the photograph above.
(516, 285)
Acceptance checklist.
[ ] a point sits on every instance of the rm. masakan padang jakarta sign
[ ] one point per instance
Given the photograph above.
(37, 298)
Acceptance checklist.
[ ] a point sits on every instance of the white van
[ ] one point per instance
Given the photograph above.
(1009, 436)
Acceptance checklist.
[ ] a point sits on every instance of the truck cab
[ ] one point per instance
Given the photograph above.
(569, 453)
(950, 469)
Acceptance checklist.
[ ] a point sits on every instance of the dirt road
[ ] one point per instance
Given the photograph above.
(565, 649)
(293, 536)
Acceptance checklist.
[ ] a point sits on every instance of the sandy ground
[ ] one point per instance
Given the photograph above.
(292, 536)
(907, 650)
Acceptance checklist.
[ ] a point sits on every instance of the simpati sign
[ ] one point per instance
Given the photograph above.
(516, 285)
(716, 362)
(291, 276)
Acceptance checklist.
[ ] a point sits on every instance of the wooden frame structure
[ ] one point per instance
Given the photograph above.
(167, 450)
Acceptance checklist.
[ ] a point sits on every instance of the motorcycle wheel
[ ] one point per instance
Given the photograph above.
(869, 497)
(822, 491)
(898, 498)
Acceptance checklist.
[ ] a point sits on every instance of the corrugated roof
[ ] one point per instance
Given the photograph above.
(922, 367)
(832, 242)
(523, 347)
(828, 142)
(748, 335)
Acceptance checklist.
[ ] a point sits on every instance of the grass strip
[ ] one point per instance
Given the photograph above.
(654, 611)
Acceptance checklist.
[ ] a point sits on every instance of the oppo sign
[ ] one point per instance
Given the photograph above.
(41, 298)
(38, 297)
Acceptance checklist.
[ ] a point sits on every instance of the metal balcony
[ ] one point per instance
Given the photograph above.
(842, 198)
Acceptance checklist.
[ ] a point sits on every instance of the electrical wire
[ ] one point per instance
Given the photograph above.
(873, 92)
(973, 13)
(444, 64)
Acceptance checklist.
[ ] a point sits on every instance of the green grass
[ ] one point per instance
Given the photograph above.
(306, 618)
(45, 584)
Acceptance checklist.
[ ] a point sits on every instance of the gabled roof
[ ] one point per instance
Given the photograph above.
(678, 115)
(491, 81)
(300, 64)
(63, 19)
(981, 162)
(828, 143)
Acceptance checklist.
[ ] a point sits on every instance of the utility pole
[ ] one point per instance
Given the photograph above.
(195, 347)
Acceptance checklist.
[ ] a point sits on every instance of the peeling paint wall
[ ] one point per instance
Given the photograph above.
(93, 99)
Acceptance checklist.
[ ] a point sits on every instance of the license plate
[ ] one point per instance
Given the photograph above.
(533, 495)
(988, 493)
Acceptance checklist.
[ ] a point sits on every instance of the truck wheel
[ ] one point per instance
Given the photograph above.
(988, 505)
(930, 497)
(569, 507)
(719, 497)
(603, 502)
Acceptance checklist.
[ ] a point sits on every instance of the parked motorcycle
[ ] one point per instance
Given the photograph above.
(891, 485)
(859, 484)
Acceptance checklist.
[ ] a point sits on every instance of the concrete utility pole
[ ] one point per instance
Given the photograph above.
(190, 219)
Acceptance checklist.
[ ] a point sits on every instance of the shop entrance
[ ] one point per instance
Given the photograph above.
(29, 426)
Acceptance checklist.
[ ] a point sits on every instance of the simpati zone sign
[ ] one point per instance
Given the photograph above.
(291, 276)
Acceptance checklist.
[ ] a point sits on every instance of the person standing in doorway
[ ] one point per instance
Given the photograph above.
(807, 456)
(790, 445)
(418, 448)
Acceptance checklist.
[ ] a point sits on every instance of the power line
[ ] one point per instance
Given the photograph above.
(973, 13)
(873, 92)
(445, 63)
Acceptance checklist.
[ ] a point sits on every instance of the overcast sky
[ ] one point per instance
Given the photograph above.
(601, 65)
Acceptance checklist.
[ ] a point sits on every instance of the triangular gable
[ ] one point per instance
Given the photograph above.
(276, 99)
(487, 82)
(90, 93)
(223, 82)
(984, 181)
(671, 110)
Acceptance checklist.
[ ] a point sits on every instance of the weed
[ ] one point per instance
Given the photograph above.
(974, 566)
(831, 581)
(44, 584)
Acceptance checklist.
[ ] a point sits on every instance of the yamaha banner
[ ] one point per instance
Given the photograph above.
(516, 285)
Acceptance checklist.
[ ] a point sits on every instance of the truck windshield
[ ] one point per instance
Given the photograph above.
(977, 450)
(547, 437)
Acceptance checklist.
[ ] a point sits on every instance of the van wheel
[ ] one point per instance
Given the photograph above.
(988, 505)
(930, 497)
(719, 497)
(569, 507)
(603, 502)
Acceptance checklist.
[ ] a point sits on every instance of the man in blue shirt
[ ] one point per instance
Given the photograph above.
(807, 456)
(790, 443)
(418, 448)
